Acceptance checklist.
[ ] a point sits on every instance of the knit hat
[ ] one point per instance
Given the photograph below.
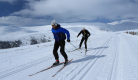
(83, 27)
(54, 22)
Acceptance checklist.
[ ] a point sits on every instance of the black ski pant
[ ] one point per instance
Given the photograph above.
(84, 38)
(62, 49)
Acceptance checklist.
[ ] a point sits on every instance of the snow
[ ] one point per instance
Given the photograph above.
(110, 56)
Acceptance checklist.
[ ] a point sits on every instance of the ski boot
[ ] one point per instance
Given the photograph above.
(79, 47)
(66, 62)
(56, 63)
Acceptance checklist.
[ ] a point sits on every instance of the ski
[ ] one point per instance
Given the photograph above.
(46, 69)
(62, 68)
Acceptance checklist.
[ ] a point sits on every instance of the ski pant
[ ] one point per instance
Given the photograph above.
(84, 38)
(62, 49)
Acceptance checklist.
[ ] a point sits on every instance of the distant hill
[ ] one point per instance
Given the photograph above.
(22, 36)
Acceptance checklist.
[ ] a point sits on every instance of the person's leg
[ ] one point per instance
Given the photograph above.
(81, 42)
(86, 43)
(55, 53)
(62, 50)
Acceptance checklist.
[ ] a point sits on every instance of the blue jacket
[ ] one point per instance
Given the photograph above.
(59, 33)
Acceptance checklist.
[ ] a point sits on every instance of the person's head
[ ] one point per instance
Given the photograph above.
(54, 24)
(83, 28)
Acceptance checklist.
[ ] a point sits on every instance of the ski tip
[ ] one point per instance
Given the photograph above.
(71, 60)
(53, 75)
(30, 75)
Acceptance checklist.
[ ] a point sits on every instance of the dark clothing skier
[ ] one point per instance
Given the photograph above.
(85, 36)
(59, 36)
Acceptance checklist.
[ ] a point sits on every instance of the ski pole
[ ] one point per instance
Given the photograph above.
(90, 42)
(77, 39)
(67, 50)
(74, 46)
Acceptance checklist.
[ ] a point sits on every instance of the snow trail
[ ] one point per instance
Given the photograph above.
(109, 57)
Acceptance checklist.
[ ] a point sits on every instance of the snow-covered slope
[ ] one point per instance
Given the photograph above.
(110, 56)
(23, 36)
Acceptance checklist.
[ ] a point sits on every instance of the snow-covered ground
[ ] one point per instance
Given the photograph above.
(110, 56)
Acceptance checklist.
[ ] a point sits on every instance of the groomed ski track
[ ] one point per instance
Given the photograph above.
(113, 56)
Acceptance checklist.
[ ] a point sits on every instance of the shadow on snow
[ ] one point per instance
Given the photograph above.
(86, 58)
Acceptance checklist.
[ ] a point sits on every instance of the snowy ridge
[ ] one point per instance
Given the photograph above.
(15, 40)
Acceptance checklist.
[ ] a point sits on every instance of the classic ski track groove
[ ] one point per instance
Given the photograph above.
(111, 68)
(103, 64)
(110, 75)
(20, 68)
(105, 43)
(23, 67)
(91, 62)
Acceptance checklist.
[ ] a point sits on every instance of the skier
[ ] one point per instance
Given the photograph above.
(85, 36)
(59, 36)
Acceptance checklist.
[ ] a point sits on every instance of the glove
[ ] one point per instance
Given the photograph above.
(88, 35)
(68, 40)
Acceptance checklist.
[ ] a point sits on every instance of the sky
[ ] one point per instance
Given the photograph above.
(42, 12)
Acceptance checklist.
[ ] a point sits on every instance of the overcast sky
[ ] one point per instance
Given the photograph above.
(42, 12)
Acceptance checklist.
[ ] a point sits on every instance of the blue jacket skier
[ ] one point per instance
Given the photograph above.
(59, 36)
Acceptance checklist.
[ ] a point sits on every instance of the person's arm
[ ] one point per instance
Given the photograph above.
(79, 33)
(88, 33)
(67, 33)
